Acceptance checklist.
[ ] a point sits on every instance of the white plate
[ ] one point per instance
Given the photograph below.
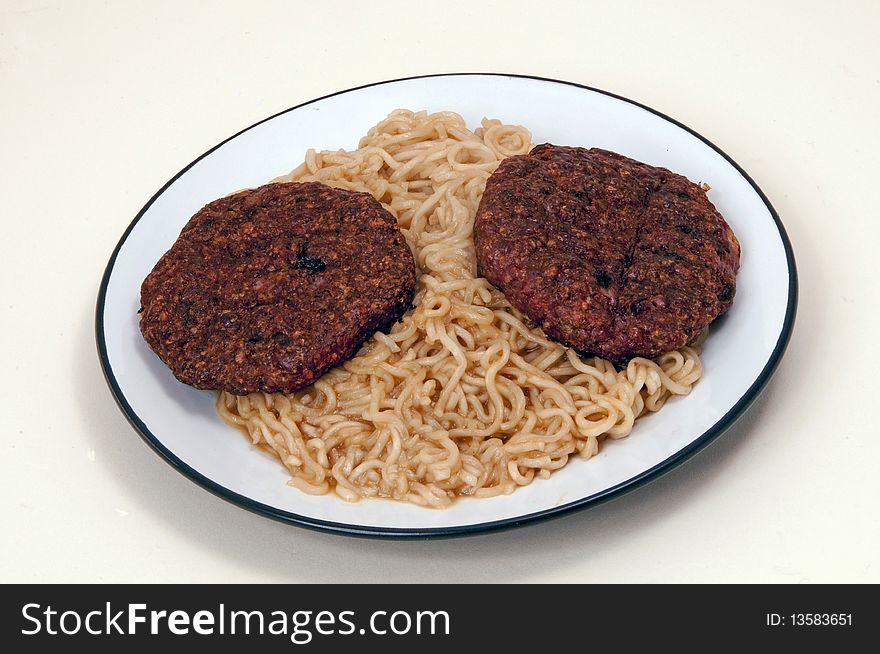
(740, 354)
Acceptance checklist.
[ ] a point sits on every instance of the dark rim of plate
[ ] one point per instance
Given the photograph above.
(438, 532)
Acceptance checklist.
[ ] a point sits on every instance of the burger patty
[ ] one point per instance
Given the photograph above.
(267, 289)
(610, 256)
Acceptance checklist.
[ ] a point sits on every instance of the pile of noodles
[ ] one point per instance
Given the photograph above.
(463, 397)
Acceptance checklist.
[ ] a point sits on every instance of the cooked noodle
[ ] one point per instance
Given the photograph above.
(463, 397)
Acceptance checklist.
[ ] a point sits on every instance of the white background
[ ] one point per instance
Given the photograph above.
(101, 103)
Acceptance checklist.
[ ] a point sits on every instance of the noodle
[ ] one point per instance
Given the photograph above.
(462, 397)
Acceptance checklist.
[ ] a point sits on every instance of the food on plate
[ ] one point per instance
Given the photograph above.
(608, 255)
(464, 395)
(267, 289)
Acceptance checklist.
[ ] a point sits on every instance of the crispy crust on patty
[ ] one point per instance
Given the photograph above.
(610, 256)
(267, 289)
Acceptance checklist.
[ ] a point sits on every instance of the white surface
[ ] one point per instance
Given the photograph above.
(94, 125)
(735, 355)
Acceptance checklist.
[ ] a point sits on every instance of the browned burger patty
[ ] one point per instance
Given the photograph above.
(267, 289)
(610, 256)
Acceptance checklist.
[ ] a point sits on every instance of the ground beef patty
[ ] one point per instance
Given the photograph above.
(267, 289)
(608, 255)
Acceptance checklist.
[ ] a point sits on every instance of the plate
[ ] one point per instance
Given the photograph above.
(742, 351)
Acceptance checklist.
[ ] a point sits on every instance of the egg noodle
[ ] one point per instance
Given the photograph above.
(463, 397)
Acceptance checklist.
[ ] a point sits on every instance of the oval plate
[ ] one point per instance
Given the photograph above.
(180, 424)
